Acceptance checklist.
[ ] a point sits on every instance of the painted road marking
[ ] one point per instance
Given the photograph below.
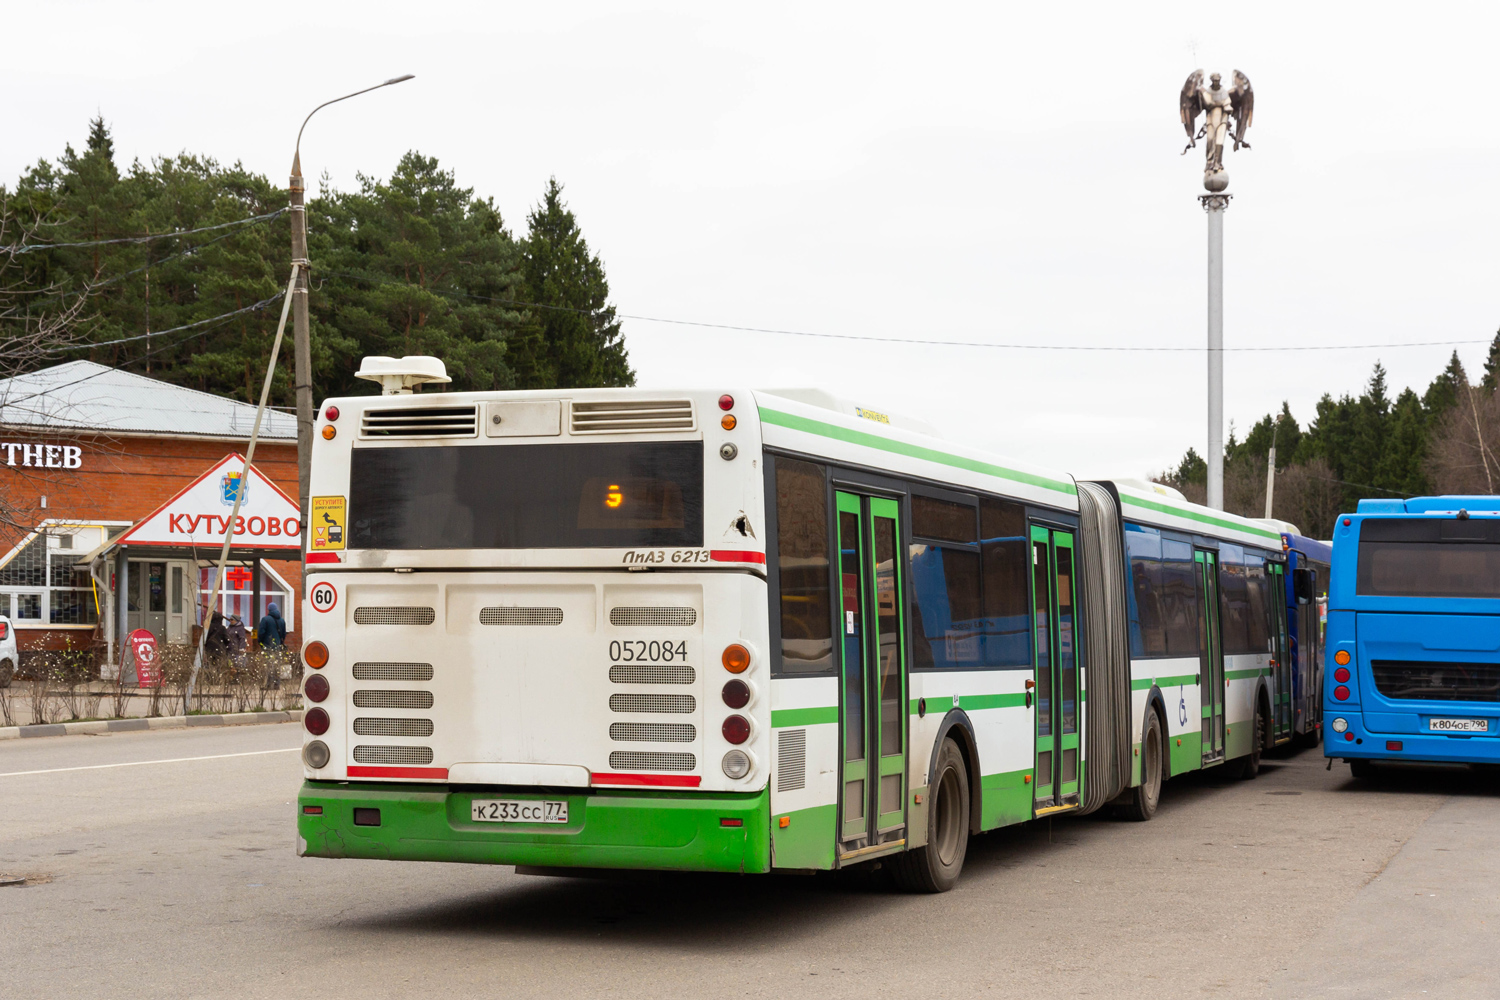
(137, 763)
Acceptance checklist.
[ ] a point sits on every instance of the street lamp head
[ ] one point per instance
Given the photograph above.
(297, 153)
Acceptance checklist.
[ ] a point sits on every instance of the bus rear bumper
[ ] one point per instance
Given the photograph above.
(1437, 748)
(711, 832)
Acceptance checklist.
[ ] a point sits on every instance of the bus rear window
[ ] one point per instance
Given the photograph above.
(539, 496)
(1428, 569)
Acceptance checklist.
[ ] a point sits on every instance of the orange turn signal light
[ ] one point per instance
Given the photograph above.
(736, 658)
(727, 421)
(1341, 657)
(328, 432)
(316, 655)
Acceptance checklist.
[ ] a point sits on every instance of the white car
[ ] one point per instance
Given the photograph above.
(8, 655)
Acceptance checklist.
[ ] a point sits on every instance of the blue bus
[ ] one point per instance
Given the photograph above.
(1308, 562)
(1413, 641)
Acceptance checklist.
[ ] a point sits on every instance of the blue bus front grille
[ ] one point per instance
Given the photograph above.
(1432, 681)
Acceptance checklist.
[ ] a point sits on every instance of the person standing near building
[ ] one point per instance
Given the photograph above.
(239, 638)
(270, 637)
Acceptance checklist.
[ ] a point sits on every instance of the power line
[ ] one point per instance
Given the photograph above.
(522, 303)
(175, 329)
(30, 247)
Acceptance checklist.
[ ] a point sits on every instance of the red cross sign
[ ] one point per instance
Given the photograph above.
(239, 576)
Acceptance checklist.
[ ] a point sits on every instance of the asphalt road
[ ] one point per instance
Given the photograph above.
(180, 879)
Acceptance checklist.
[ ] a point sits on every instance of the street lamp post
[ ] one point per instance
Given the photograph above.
(302, 373)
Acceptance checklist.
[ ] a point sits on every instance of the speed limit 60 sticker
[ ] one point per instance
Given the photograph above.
(323, 596)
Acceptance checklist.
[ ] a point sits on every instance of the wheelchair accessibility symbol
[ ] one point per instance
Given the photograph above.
(1181, 707)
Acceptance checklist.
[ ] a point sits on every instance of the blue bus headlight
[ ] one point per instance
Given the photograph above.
(1339, 725)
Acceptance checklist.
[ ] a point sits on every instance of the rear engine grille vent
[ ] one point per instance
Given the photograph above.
(420, 422)
(652, 732)
(393, 727)
(520, 616)
(1429, 681)
(647, 673)
(635, 760)
(393, 755)
(393, 699)
(393, 671)
(394, 616)
(647, 617)
(791, 760)
(670, 704)
(632, 416)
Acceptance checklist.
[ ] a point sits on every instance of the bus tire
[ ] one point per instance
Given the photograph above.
(935, 866)
(1361, 770)
(1249, 765)
(1145, 797)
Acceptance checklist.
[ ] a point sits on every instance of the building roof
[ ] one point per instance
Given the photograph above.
(84, 396)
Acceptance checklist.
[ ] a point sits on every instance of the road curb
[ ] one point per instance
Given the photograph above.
(137, 725)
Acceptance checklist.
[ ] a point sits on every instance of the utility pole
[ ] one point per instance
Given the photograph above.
(301, 346)
(1271, 468)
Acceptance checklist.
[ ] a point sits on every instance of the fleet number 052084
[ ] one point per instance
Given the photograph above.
(641, 651)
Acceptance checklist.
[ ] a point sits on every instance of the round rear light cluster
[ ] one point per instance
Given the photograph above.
(1341, 657)
(736, 764)
(1341, 693)
(736, 729)
(736, 694)
(1341, 674)
(315, 720)
(736, 658)
(726, 402)
(1340, 725)
(315, 754)
(332, 413)
(316, 655)
(316, 688)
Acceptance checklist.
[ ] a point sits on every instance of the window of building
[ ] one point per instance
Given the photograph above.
(43, 582)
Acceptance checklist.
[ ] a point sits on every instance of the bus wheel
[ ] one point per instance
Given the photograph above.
(935, 866)
(1250, 763)
(1361, 770)
(1146, 796)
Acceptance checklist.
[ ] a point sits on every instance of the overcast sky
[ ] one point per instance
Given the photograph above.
(988, 173)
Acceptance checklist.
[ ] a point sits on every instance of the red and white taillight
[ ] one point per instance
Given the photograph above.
(737, 729)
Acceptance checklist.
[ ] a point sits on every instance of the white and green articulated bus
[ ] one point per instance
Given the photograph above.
(748, 631)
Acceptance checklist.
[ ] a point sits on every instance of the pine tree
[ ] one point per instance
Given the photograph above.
(415, 265)
(1492, 364)
(573, 338)
(1445, 389)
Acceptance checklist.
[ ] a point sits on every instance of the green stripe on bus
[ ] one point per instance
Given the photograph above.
(1193, 515)
(977, 702)
(1239, 675)
(804, 716)
(1181, 679)
(865, 438)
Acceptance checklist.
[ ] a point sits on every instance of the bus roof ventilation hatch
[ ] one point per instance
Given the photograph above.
(397, 376)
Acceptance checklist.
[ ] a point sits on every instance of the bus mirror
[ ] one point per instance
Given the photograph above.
(1302, 585)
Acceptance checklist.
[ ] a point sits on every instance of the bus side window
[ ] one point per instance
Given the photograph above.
(802, 563)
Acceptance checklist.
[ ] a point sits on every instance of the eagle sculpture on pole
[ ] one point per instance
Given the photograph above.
(1218, 105)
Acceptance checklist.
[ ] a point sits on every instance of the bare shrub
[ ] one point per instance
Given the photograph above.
(1463, 453)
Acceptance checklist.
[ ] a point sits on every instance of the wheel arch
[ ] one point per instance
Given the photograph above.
(1267, 735)
(957, 725)
(1156, 702)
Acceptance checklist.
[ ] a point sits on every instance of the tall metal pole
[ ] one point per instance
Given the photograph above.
(301, 348)
(1215, 204)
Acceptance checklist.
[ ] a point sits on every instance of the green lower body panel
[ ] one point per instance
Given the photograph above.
(807, 840)
(1185, 753)
(683, 831)
(1239, 739)
(1006, 798)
